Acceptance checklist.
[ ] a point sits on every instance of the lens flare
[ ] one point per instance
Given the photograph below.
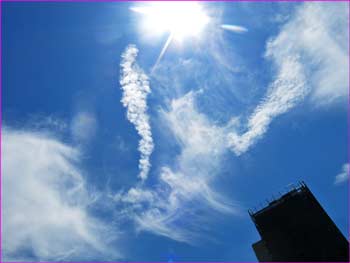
(180, 19)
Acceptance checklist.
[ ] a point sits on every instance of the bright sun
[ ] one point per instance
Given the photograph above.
(180, 19)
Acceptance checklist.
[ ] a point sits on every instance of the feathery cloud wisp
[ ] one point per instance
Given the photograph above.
(184, 188)
(287, 90)
(318, 33)
(343, 176)
(188, 181)
(310, 55)
(135, 86)
(83, 126)
(45, 209)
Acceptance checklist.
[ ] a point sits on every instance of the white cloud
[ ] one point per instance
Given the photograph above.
(83, 126)
(172, 208)
(135, 195)
(283, 94)
(318, 34)
(135, 86)
(192, 129)
(234, 28)
(185, 190)
(187, 186)
(45, 202)
(39, 122)
(343, 176)
(310, 54)
(202, 148)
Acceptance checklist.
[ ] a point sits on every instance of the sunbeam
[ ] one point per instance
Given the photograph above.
(181, 19)
(164, 49)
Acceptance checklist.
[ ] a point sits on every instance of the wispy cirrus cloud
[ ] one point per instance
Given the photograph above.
(318, 34)
(343, 176)
(84, 126)
(135, 85)
(311, 58)
(184, 187)
(284, 93)
(45, 205)
(189, 179)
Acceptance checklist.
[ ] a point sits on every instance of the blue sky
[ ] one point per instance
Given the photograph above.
(224, 121)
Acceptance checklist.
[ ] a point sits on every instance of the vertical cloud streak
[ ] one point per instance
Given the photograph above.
(135, 86)
(179, 204)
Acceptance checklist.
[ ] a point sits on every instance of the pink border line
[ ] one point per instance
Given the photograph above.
(0, 131)
(348, 117)
(257, 1)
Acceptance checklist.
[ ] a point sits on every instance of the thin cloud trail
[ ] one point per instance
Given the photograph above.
(234, 28)
(164, 49)
(288, 89)
(135, 85)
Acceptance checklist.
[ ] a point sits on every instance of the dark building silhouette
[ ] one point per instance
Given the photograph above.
(294, 227)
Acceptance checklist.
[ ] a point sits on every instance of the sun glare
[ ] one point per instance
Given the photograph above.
(180, 19)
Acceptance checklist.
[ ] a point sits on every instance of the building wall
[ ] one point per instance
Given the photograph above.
(296, 228)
